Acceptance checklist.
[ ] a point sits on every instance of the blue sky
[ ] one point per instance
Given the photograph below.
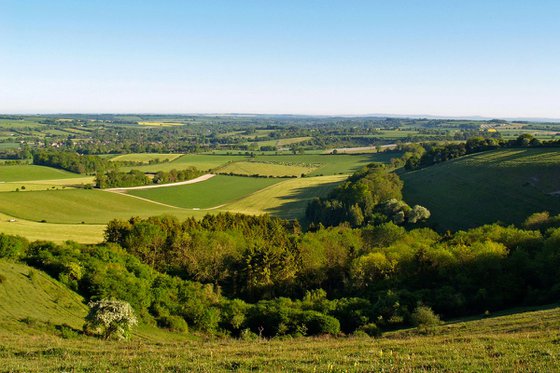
(451, 58)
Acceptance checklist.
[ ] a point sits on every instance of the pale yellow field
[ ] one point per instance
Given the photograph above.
(266, 169)
(145, 157)
(286, 199)
(82, 233)
(45, 184)
(161, 124)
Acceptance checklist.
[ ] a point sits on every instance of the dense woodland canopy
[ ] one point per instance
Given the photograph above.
(264, 275)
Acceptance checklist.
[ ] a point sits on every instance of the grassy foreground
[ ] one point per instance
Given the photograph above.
(33, 308)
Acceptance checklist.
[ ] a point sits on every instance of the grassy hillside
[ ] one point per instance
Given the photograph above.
(32, 185)
(211, 193)
(286, 199)
(29, 298)
(524, 341)
(32, 172)
(501, 185)
(201, 161)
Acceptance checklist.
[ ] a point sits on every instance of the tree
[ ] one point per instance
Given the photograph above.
(110, 319)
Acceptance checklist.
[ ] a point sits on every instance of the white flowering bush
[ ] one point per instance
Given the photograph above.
(110, 319)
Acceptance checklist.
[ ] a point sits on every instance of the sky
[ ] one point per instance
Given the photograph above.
(489, 58)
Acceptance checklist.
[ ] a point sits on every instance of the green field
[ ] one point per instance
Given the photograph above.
(208, 194)
(502, 185)
(32, 172)
(32, 305)
(79, 205)
(46, 184)
(203, 162)
(287, 199)
(146, 157)
(266, 169)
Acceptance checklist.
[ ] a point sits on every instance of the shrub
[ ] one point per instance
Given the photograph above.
(424, 318)
(173, 323)
(371, 330)
(2, 278)
(110, 319)
(317, 323)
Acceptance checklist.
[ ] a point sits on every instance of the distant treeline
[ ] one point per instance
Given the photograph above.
(372, 195)
(71, 161)
(116, 179)
(244, 275)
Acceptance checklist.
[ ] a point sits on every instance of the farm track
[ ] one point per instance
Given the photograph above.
(192, 181)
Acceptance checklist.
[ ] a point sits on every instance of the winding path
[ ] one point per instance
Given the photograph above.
(192, 181)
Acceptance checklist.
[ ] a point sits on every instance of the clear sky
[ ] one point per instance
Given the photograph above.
(452, 57)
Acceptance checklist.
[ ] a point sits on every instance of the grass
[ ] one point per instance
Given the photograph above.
(287, 199)
(266, 169)
(501, 185)
(82, 233)
(29, 298)
(283, 142)
(208, 194)
(32, 172)
(524, 341)
(80, 205)
(146, 157)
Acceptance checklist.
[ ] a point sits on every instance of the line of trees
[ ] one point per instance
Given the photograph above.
(71, 161)
(117, 179)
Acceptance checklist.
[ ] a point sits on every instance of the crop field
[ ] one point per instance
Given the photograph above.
(283, 142)
(82, 233)
(287, 199)
(502, 185)
(32, 172)
(80, 205)
(266, 169)
(201, 161)
(45, 184)
(330, 164)
(211, 193)
(146, 157)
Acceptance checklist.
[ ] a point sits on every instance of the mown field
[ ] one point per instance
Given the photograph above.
(287, 199)
(211, 193)
(266, 169)
(501, 185)
(33, 307)
(80, 205)
(33, 173)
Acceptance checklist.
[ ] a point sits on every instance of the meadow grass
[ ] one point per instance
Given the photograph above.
(501, 185)
(266, 169)
(287, 199)
(161, 124)
(33, 173)
(211, 193)
(46, 184)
